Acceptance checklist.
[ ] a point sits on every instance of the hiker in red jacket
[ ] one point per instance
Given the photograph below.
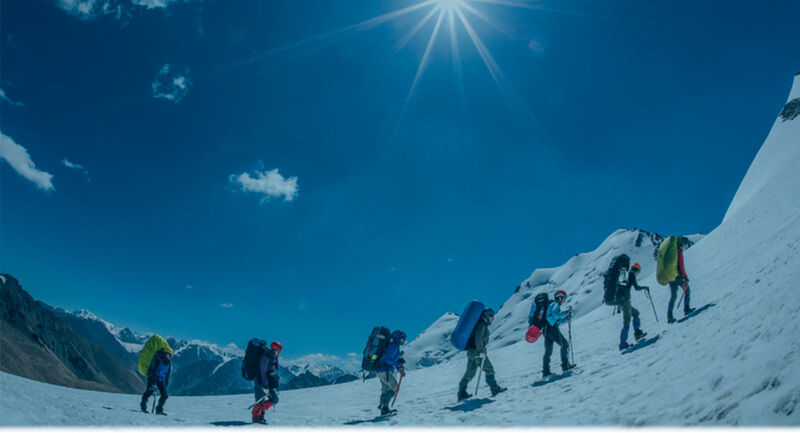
(681, 281)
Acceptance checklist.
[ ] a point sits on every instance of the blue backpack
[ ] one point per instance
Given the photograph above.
(466, 324)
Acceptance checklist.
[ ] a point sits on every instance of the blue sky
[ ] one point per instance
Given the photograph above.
(220, 172)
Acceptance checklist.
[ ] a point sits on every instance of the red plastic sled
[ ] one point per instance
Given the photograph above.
(533, 334)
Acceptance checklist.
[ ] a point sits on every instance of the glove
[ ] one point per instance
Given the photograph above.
(402, 372)
(401, 361)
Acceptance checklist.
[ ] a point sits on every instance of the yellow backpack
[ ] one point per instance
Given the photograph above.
(667, 261)
(153, 345)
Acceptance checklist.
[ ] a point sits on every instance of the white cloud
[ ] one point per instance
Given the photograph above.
(268, 183)
(4, 97)
(189, 286)
(314, 358)
(74, 166)
(171, 83)
(226, 305)
(353, 354)
(93, 9)
(20, 161)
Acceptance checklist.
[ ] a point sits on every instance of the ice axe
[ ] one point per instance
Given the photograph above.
(651, 303)
(397, 391)
(480, 370)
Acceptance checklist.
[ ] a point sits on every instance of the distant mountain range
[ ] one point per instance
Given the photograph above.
(80, 349)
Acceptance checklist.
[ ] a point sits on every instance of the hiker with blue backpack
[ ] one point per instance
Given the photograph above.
(477, 357)
(389, 361)
(552, 334)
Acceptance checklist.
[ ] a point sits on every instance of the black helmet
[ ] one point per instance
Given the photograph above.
(488, 313)
(398, 335)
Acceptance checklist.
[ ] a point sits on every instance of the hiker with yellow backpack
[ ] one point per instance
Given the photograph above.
(671, 270)
(155, 363)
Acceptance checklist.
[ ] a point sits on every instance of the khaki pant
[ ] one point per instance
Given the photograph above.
(388, 387)
(473, 363)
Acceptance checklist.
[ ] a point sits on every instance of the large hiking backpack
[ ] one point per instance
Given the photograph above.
(466, 324)
(252, 359)
(667, 261)
(376, 343)
(153, 345)
(615, 276)
(538, 316)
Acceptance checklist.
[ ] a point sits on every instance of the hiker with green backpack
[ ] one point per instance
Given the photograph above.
(671, 270)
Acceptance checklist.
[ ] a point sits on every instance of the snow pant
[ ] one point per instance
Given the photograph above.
(627, 312)
(153, 383)
(553, 334)
(473, 364)
(260, 408)
(388, 387)
(673, 292)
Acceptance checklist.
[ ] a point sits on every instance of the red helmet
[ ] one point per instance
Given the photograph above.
(276, 345)
(560, 293)
(636, 267)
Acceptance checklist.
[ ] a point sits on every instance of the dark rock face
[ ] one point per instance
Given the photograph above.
(36, 344)
(128, 336)
(791, 110)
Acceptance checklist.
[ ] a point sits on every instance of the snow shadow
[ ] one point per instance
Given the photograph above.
(379, 418)
(469, 405)
(640, 345)
(696, 312)
(228, 423)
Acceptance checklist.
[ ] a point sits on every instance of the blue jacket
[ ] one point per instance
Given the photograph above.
(160, 368)
(268, 365)
(555, 316)
(389, 359)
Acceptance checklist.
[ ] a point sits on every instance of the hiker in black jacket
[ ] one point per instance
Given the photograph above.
(627, 310)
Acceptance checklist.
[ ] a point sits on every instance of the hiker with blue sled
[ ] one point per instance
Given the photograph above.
(552, 334)
(472, 334)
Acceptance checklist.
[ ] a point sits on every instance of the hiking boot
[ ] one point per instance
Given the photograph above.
(160, 412)
(143, 406)
(463, 395)
(386, 411)
(687, 311)
(639, 334)
(670, 318)
(566, 368)
(259, 419)
(623, 346)
(546, 372)
(498, 390)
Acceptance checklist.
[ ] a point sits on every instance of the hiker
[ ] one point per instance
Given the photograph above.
(624, 306)
(158, 378)
(681, 281)
(266, 381)
(390, 361)
(552, 334)
(476, 357)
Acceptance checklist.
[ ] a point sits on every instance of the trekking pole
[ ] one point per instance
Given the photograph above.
(652, 304)
(259, 401)
(480, 370)
(681, 299)
(569, 323)
(155, 397)
(397, 391)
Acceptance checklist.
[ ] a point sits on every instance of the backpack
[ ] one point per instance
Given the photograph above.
(252, 359)
(376, 343)
(667, 261)
(153, 345)
(462, 334)
(616, 275)
(538, 316)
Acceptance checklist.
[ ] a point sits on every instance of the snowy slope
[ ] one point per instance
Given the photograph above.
(737, 362)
